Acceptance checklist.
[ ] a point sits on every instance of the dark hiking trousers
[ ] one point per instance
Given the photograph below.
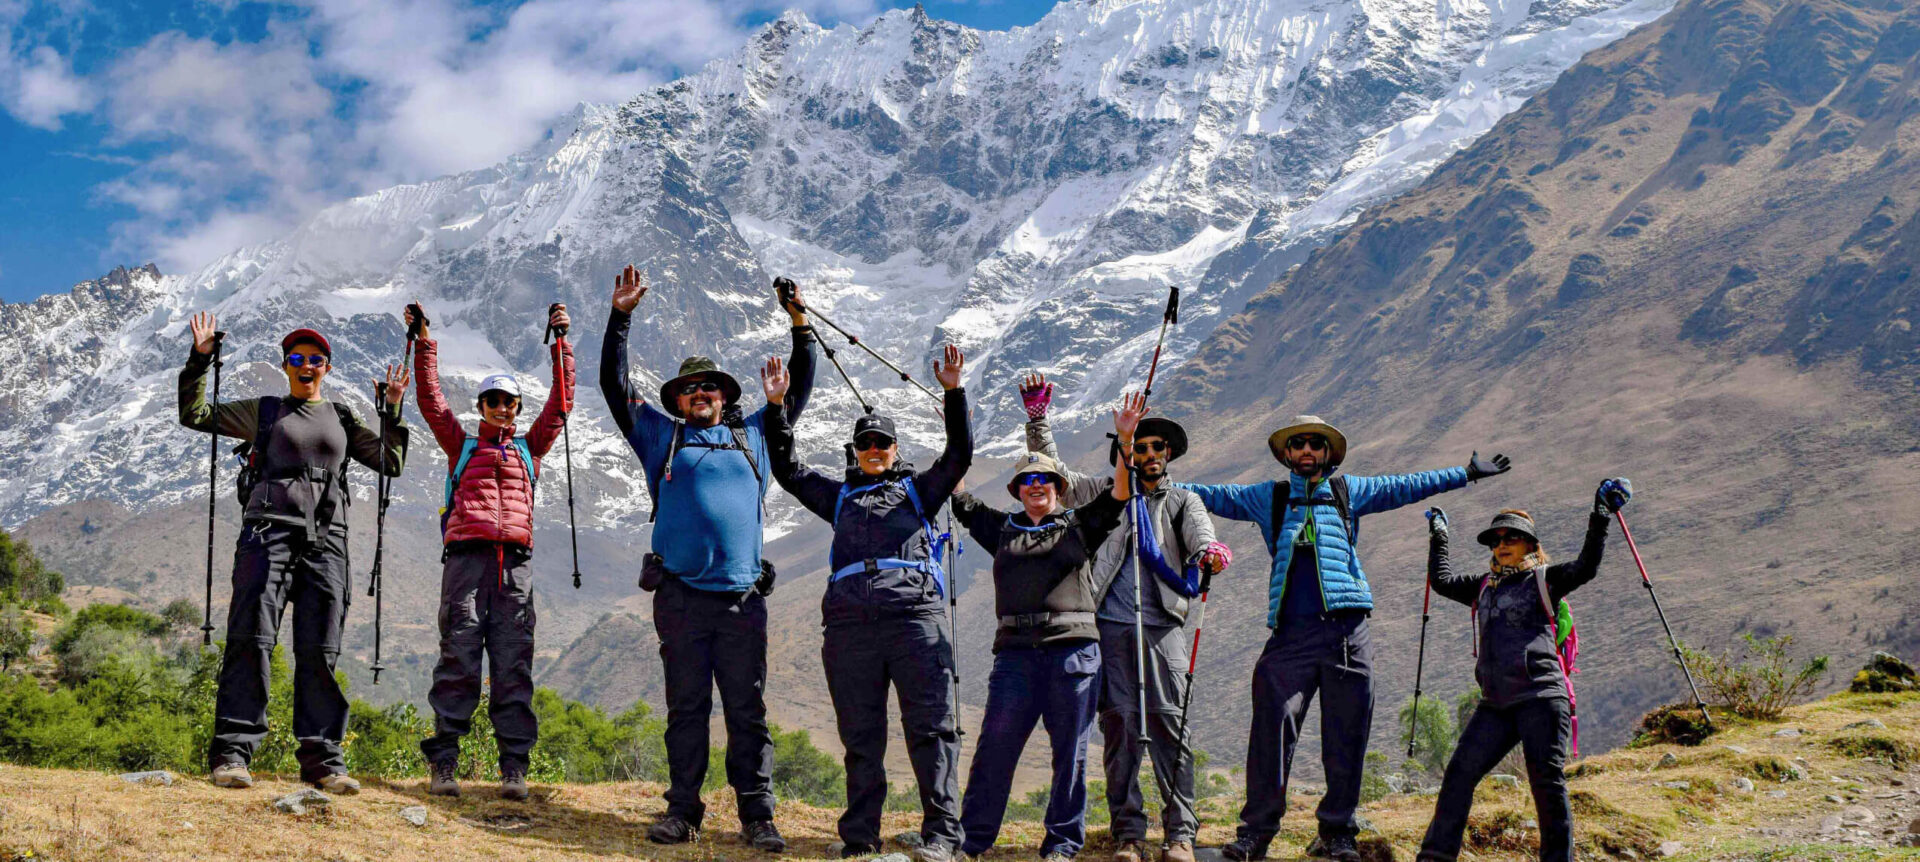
(913, 654)
(1331, 655)
(709, 638)
(275, 564)
(1058, 687)
(1121, 748)
(1542, 728)
(486, 608)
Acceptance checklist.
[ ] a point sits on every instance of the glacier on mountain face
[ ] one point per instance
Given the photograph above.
(1028, 194)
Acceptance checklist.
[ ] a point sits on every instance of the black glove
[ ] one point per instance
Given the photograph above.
(1612, 496)
(785, 287)
(1436, 521)
(1478, 468)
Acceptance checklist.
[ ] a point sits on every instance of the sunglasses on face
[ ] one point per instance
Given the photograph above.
(490, 400)
(703, 386)
(1307, 441)
(303, 360)
(872, 441)
(1028, 480)
(1147, 446)
(1509, 539)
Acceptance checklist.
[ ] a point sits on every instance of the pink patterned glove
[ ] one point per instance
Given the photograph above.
(1037, 401)
(1217, 557)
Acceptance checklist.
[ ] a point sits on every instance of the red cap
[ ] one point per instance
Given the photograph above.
(309, 336)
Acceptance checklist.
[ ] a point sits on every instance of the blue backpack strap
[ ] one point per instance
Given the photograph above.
(467, 447)
(526, 458)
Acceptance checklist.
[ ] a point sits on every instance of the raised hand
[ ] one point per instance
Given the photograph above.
(774, 380)
(1036, 395)
(949, 371)
(1612, 496)
(557, 319)
(628, 287)
(416, 316)
(1133, 408)
(1436, 521)
(397, 378)
(1480, 468)
(203, 332)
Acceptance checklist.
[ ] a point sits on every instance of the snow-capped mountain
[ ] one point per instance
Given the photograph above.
(1029, 194)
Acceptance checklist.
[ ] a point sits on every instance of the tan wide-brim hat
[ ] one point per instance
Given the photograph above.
(1336, 441)
(1034, 462)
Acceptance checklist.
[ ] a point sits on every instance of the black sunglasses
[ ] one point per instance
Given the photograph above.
(703, 386)
(302, 360)
(1152, 446)
(1307, 441)
(498, 399)
(872, 441)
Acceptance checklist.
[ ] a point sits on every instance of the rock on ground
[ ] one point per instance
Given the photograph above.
(414, 814)
(298, 801)
(158, 778)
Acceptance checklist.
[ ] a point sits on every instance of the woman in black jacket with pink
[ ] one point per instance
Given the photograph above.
(1525, 696)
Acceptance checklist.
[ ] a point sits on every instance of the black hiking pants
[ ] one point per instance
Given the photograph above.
(1331, 655)
(274, 564)
(709, 639)
(912, 654)
(486, 608)
(1542, 728)
(1122, 748)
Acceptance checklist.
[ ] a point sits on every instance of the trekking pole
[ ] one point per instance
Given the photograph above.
(383, 485)
(1193, 656)
(955, 546)
(213, 486)
(1419, 665)
(786, 295)
(1138, 503)
(1168, 318)
(833, 357)
(1675, 642)
(566, 445)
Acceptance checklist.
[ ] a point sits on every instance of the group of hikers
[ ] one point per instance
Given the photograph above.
(1094, 578)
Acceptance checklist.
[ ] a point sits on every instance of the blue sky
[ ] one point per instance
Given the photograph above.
(171, 132)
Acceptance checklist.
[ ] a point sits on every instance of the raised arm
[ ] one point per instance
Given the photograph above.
(623, 400)
(433, 402)
(1036, 395)
(985, 523)
(1462, 588)
(1373, 494)
(1564, 578)
(553, 414)
(228, 418)
(1237, 502)
(801, 362)
(938, 481)
(814, 491)
(384, 453)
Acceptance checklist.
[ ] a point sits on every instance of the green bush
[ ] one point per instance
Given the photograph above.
(16, 636)
(112, 617)
(22, 576)
(805, 773)
(1433, 736)
(182, 614)
(1762, 687)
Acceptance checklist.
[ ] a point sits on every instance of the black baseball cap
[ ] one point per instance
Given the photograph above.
(873, 423)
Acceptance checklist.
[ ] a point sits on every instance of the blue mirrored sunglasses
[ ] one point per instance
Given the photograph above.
(302, 360)
(1026, 479)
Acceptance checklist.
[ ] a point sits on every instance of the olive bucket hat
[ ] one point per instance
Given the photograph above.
(695, 368)
(1336, 441)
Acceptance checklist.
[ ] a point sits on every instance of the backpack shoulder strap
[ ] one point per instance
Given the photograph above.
(526, 459)
(739, 430)
(267, 413)
(1282, 498)
(458, 467)
(666, 464)
(1342, 502)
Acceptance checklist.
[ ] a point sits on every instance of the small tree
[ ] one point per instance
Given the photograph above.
(182, 614)
(1432, 736)
(1762, 687)
(16, 636)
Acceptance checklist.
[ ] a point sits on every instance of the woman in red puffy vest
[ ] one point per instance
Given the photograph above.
(486, 587)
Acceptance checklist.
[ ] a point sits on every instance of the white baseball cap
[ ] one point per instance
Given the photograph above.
(500, 382)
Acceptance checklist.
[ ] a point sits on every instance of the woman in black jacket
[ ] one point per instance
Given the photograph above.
(882, 609)
(1525, 697)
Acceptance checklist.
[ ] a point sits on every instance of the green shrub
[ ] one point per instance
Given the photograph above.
(1677, 723)
(1894, 752)
(1762, 687)
(182, 614)
(1433, 735)
(16, 636)
(23, 578)
(805, 773)
(118, 618)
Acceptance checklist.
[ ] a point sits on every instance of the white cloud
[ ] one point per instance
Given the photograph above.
(352, 95)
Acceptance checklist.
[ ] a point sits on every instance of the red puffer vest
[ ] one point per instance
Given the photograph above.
(493, 500)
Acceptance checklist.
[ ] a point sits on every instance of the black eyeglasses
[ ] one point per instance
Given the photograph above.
(498, 399)
(703, 386)
(302, 360)
(1150, 446)
(872, 441)
(1307, 441)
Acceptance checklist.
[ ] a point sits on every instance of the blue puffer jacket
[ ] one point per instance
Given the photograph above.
(1343, 584)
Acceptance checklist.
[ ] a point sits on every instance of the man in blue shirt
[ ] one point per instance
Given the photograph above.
(707, 471)
(1317, 605)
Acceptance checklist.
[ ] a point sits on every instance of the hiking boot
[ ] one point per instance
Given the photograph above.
(935, 853)
(446, 779)
(761, 835)
(852, 850)
(1245, 848)
(672, 830)
(1178, 851)
(1341, 848)
(1131, 850)
(1057, 856)
(232, 774)
(513, 783)
(338, 784)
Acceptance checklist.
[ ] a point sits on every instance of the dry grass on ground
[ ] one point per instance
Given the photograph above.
(1626, 807)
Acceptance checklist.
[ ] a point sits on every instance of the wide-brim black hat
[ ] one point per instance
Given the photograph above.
(1511, 522)
(697, 368)
(1165, 429)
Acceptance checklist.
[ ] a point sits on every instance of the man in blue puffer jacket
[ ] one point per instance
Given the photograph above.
(1317, 606)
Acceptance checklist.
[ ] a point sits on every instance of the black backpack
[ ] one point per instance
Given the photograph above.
(1282, 498)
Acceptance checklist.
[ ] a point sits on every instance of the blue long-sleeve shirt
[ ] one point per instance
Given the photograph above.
(707, 527)
(1343, 584)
